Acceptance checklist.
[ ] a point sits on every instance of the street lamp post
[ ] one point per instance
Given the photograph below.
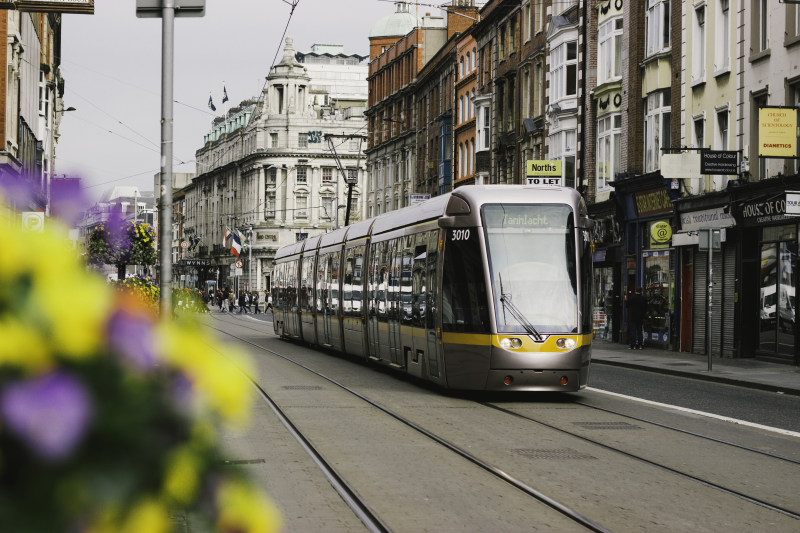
(167, 10)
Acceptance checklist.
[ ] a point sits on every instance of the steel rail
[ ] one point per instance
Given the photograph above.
(530, 491)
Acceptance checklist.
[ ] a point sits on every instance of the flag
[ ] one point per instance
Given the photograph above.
(225, 238)
(194, 241)
(224, 95)
(211, 104)
(236, 245)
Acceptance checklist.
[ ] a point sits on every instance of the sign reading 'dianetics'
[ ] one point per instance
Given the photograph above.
(777, 131)
(544, 173)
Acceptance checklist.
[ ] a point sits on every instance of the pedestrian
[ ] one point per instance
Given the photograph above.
(242, 302)
(255, 302)
(637, 308)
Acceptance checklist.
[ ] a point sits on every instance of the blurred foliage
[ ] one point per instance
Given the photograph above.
(117, 242)
(108, 416)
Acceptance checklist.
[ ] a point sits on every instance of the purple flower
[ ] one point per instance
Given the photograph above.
(131, 335)
(49, 413)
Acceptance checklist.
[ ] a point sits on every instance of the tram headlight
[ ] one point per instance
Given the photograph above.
(511, 343)
(565, 343)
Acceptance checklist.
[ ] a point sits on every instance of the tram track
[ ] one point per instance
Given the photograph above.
(761, 503)
(356, 503)
(534, 493)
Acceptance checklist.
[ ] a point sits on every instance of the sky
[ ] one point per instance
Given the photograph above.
(111, 64)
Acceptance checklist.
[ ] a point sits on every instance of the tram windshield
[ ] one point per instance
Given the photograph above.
(531, 252)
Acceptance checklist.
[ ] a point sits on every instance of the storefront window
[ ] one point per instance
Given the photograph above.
(602, 314)
(777, 290)
(657, 291)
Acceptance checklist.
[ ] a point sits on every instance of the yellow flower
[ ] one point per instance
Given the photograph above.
(220, 379)
(147, 515)
(181, 480)
(246, 509)
(23, 346)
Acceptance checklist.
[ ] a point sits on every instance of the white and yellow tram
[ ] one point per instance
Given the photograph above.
(484, 288)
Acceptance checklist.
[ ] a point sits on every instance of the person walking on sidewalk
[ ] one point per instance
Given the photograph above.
(637, 308)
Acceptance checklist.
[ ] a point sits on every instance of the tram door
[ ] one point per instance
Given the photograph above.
(376, 297)
(321, 299)
(431, 313)
(395, 303)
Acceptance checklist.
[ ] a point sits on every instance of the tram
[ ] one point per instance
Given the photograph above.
(484, 288)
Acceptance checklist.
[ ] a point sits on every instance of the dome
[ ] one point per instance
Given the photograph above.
(397, 24)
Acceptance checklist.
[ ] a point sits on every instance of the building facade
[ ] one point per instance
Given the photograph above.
(276, 169)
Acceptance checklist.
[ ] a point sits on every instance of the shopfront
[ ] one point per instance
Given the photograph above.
(607, 261)
(649, 256)
(699, 312)
(769, 259)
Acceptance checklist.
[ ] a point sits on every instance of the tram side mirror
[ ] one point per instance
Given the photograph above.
(447, 222)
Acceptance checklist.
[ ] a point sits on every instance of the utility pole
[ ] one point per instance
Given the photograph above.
(167, 10)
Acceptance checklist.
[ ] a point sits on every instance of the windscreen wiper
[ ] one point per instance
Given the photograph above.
(517, 314)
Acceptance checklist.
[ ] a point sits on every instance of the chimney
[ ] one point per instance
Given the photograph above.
(461, 14)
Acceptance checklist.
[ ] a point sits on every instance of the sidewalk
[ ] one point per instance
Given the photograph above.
(748, 372)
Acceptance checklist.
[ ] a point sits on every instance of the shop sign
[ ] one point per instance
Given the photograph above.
(544, 173)
(660, 234)
(195, 262)
(719, 162)
(55, 6)
(766, 212)
(793, 203)
(777, 131)
(708, 218)
(654, 202)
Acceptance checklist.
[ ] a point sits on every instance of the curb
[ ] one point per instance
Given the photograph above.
(725, 380)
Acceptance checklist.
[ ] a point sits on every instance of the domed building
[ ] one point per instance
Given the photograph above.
(390, 29)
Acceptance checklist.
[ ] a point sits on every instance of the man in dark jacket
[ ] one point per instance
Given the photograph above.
(637, 308)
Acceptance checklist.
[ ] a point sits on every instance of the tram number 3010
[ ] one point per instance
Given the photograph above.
(460, 235)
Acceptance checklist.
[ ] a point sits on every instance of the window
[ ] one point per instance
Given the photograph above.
(763, 25)
(461, 160)
(564, 70)
(722, 52)
(610, 56)
(461, 109)
(502, 42)
(722, 129)
(562, 147)
(699, 127)
(270, 207)
(657, 26)
(483, 128)
(327, 174)
(273, 140)
(461, 67)
(302, 140)
(609, 145)
(656, 131)
(526, 22)
(327, 207)
(512, 35)
(302, 174)
(699, 48)
(301, 207)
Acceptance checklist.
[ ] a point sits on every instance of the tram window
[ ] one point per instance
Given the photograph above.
(333, 281)
(406, 294)
(532, 260)
(321, 280)
(433, 257)
(418, 275)
(464, 299)
(307, 284)
(357, 283)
